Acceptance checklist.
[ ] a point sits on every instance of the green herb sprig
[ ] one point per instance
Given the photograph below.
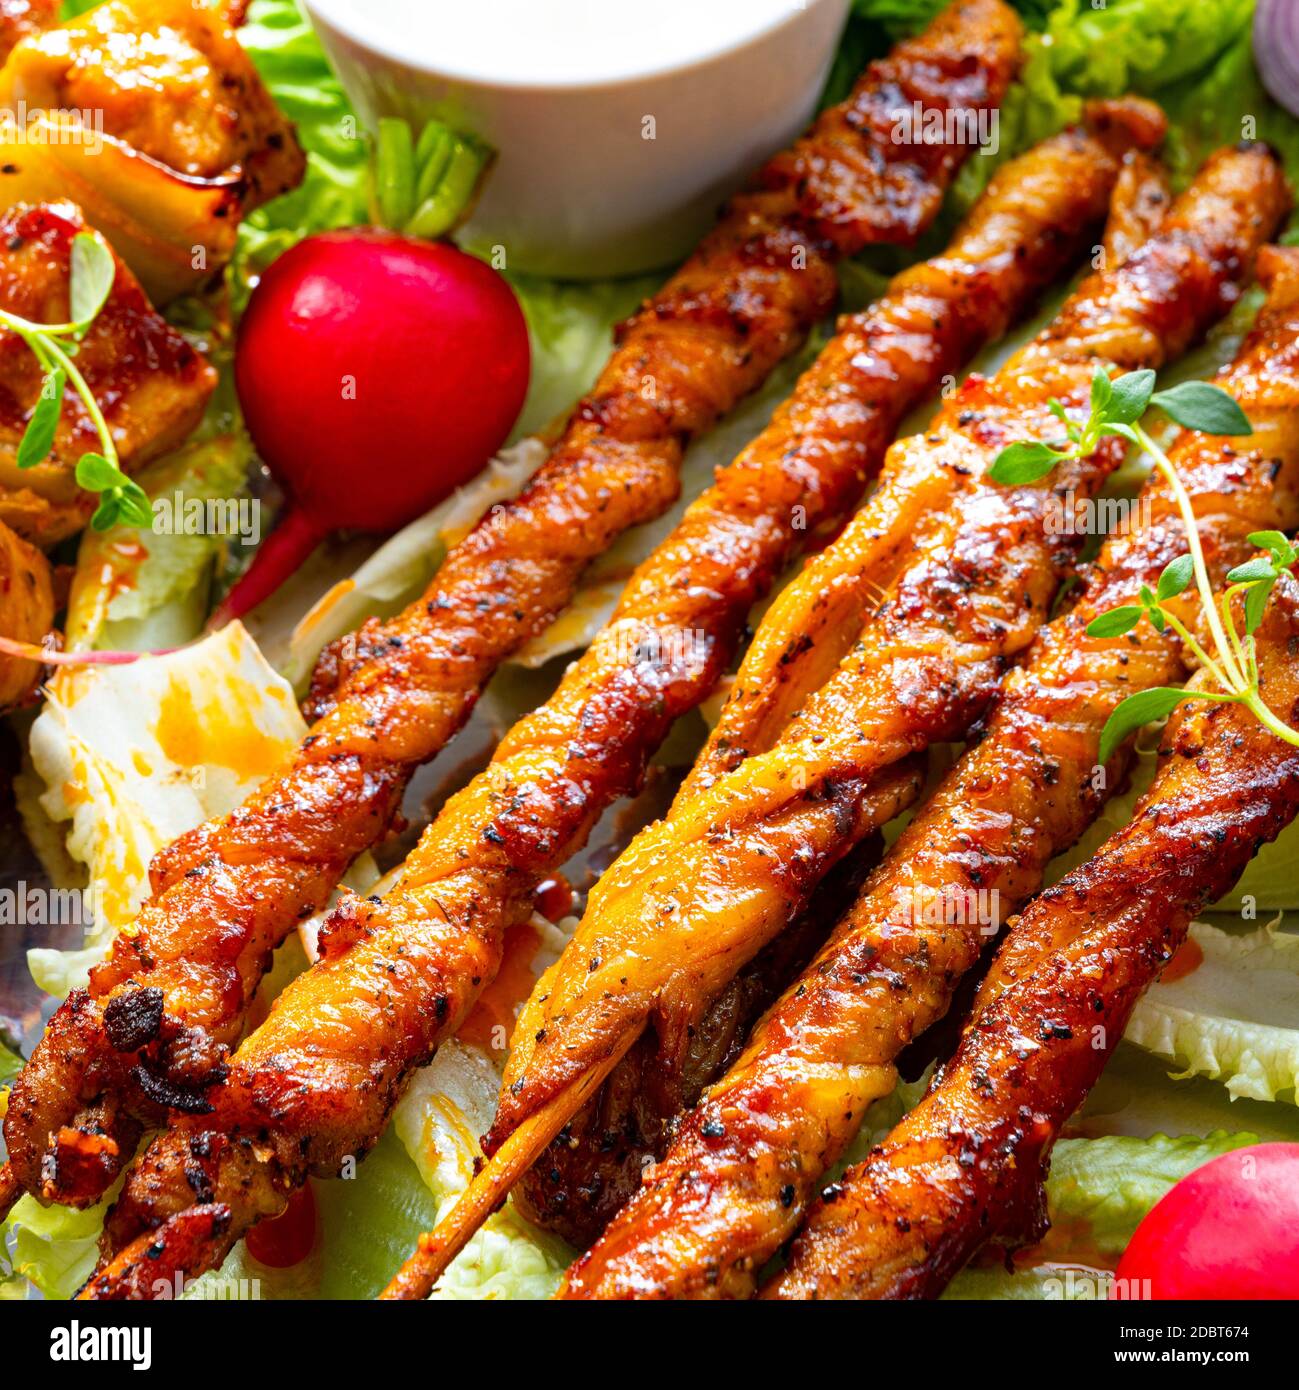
(1116, 408)
(54, 345)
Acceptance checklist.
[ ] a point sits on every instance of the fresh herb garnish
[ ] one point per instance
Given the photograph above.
(91, 273)
(1116, 409)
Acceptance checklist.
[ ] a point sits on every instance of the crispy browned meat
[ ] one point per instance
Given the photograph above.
(1141, 202)
(26, 612)
(153, 115)
(20, 19)
(699, 894)
(166, 999)
(725, 871)
(150, 383)
(173, 82)
(519, 819)
(596, 1162)
(967, 1165)
(745, 1162)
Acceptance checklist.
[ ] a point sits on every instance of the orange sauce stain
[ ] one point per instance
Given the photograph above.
(513, 983)
(193, 735)
(1186, 961)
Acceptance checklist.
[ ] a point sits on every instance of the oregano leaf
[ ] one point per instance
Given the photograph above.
(1130, 396)
(1256, 601)
(90, 277)
(1023, 463)
(1200, 405)
(1251, 570)
(1116, 622)
(1175, 578)
(1137, 710)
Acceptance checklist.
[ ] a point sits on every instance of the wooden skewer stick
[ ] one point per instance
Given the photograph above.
(492, 1183)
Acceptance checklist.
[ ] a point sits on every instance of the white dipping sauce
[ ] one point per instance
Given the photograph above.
(565, 42)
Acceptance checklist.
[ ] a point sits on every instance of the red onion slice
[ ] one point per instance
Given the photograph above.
(1276, 50)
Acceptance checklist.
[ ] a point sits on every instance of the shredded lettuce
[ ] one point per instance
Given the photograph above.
(401, 568)
(448, 1105)
(1235, 1017)
(54, 1247)
(365, 1227)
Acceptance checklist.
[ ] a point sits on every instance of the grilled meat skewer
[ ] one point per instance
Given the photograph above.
(699, 894)
(153, 1031)
(596, 1163)
(967, 1165)
(475, 868)
(744, 1165)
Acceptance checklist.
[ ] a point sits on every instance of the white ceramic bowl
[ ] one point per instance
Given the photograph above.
(578, 188)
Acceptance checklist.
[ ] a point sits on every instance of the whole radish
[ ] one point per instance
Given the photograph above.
(1228, 1230)
(376, 373)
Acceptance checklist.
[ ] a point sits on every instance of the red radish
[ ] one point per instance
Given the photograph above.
(376, 373)
(1228, 1230)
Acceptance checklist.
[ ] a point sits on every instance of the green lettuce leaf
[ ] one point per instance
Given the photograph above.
(570, 328)
(365, 1227)
(53, 1247)
(448, 1105)
(1234, 1018)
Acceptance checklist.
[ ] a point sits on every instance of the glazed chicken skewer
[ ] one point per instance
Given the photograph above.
(810, 627)
(474, 870)
(153, 1031)
(597, 1161)
(697, 895)
(746, 1162)
(967, 1165)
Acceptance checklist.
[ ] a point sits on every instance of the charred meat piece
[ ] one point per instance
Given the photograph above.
(154, 113)
(26, 612)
